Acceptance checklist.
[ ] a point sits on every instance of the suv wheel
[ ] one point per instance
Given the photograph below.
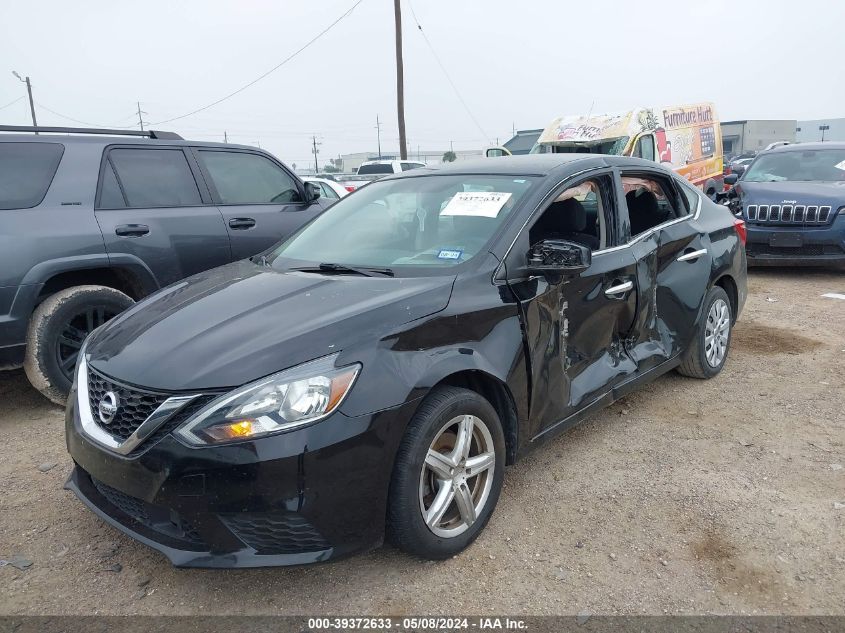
(708, 351)
(448, 474)
(56, 332)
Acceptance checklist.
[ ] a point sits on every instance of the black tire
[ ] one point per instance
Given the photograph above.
(406, 526)
(58, 326)
(695, 363)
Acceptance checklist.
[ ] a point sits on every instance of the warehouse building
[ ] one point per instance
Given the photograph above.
(739, 137)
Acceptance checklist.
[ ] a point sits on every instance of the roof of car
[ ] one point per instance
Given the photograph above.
(524, 165)
(801, 147)
(103, 139)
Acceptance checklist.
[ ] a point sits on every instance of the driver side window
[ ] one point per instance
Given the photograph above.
(577, 214)
(245, 178)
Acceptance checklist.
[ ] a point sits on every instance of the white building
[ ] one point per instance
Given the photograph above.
(811, 131)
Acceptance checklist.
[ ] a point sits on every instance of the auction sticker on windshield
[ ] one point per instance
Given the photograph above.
(481, 204)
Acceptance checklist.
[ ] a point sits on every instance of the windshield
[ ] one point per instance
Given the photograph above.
(816, 164)
(376, 168)
(430, 221)
(613, 146)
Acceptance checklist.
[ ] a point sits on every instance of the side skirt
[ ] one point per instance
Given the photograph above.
(604, 400)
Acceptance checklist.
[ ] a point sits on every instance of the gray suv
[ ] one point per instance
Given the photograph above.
(93, 220)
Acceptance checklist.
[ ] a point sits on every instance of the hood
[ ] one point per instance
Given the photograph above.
(238, 323)
(806, 193)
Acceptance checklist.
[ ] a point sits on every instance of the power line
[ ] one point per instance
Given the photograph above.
(88, 123)
(272, 70)
(445, 72)
(11, 103)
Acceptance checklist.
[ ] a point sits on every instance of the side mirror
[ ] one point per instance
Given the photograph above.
(731, 179)
(495, 152)
(312, 191)
(558, 256)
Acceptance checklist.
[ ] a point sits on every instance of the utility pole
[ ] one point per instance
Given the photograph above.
(140, 112)
(378, 135)
(314, 149)
(225, 136)
(28, 92)
(400, 80)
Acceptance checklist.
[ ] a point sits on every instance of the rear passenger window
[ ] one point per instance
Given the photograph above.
(155, 177)
(651, 201)
(110, 195)
(691, 197)
(243, 178)
(26, 171)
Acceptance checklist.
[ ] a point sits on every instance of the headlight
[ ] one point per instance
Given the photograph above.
(282, 402)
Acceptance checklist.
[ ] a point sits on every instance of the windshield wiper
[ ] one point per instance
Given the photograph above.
(340, 268)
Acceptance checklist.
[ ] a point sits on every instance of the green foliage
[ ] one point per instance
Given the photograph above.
(449, 157)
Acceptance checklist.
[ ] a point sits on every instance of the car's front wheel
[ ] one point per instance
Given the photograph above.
(709, 349)
(57, 329)
(448, 474)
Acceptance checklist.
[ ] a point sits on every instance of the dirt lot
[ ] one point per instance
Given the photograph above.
(688, 497)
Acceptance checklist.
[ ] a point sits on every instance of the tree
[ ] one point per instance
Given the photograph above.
(335, 166)
(449, 157)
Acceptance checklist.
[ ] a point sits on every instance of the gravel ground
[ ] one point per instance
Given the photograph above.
(720, 496)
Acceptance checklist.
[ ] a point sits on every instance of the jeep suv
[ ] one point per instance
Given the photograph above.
(94, 220)
(792, 198)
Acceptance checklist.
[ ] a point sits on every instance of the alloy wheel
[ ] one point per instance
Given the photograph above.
(716, 332)
(73, 335)
(457, 476)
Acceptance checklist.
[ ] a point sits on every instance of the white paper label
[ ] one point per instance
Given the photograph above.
(480, 204)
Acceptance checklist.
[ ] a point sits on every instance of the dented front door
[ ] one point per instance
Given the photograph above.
(575, 329)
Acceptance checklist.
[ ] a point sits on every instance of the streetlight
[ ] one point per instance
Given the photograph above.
(823, 128)
(29, 92)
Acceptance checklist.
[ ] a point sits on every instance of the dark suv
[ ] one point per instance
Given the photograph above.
(92, 221)
(793, 200)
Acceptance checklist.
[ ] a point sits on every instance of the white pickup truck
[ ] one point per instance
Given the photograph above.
(373, 170)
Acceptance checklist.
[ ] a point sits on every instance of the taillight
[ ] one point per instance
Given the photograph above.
(741, 230)
(349, 188)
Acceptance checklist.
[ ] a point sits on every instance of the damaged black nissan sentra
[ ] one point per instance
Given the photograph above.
(373, 374)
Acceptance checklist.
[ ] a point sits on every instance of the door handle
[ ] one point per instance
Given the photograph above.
(618, 289)
(131, 230)
(692, 255)
(242, 223)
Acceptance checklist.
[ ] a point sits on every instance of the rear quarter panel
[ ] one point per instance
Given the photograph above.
(62, 229)
(727, 251)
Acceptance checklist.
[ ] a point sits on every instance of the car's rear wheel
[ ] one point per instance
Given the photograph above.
(57, 330)
(448, 474)
(708, 352)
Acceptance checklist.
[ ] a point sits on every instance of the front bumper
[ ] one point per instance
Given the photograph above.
(306, 496)
(819, 246)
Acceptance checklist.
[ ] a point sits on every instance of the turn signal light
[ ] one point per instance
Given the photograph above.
(232, 431)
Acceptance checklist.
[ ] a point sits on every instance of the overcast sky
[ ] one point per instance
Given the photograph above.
(514, 63)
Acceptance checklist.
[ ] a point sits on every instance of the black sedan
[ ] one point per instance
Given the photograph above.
(373, 374)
